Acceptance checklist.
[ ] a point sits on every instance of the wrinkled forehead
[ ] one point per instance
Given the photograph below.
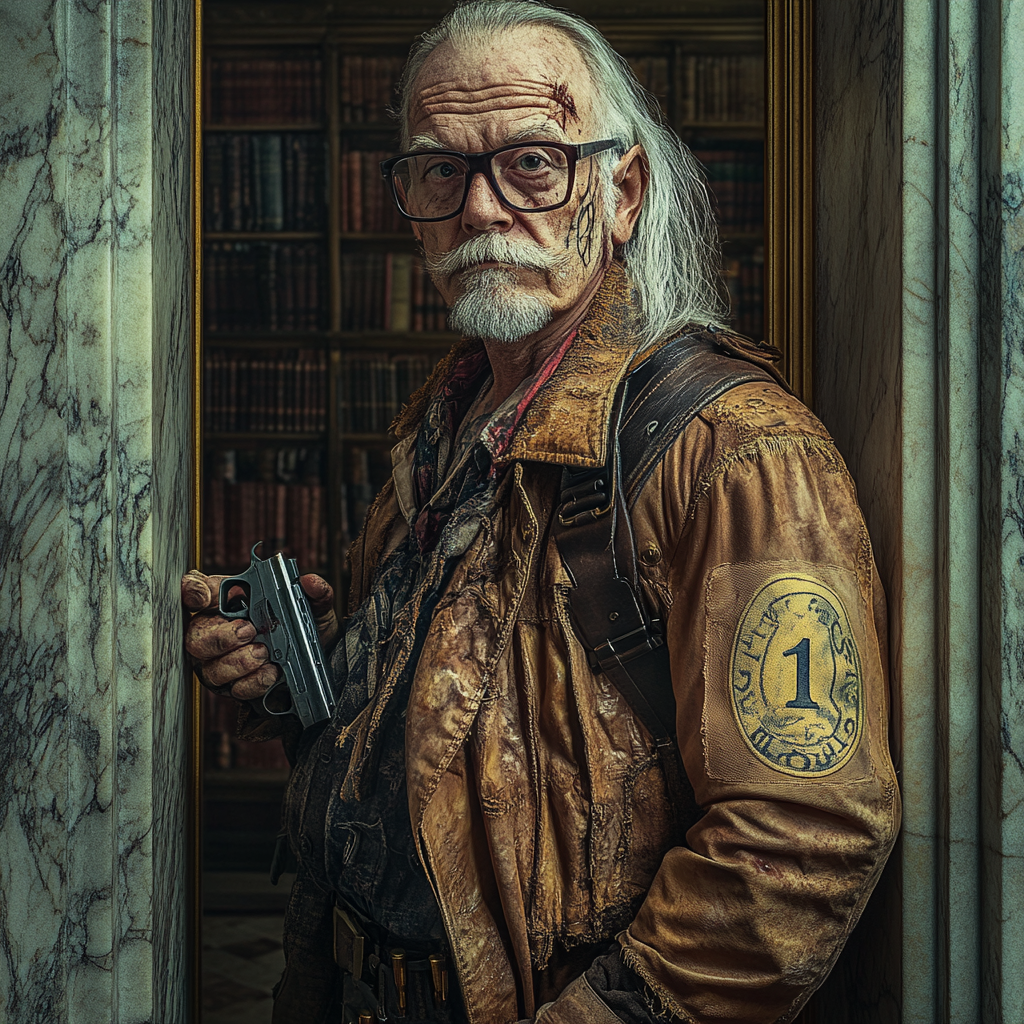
(532, 74)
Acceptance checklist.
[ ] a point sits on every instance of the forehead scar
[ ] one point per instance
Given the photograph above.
(564, 101)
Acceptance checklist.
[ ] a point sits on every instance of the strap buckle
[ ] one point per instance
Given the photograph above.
(349, 943)
(575, 512)
(588, 499)
(622, 649)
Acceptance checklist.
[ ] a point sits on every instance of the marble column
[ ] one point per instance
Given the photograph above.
(96, 520)
(920, 375)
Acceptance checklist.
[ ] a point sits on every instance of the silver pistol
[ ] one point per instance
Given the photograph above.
(277, 606)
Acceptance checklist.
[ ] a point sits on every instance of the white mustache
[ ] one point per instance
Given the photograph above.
(499, 249)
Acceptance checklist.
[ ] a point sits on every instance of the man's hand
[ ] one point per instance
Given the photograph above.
(222, 651)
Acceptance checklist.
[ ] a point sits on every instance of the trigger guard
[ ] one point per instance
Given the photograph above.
(270, 711)
(225, 587)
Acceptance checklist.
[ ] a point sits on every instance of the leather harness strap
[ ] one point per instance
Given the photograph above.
(593, 532)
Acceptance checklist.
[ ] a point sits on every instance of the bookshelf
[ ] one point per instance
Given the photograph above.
(318, 318)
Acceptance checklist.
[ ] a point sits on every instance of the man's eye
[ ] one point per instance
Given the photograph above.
(531, 162)
(444, 170)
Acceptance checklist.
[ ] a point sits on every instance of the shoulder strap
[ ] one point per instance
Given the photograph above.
(594, 536)
(666, 392)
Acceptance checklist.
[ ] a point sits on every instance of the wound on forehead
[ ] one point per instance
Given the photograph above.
(564, 101)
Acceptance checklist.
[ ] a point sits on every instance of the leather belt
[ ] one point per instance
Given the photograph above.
(397, 974)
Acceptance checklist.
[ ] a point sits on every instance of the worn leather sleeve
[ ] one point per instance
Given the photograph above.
(776, 626)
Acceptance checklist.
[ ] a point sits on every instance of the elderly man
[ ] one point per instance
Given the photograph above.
(486, 830)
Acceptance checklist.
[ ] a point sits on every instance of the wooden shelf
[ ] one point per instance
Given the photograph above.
(384, 438)
(378, 238)
(267, 339)
(375, 339)
(368, 128)
(242, 438)
(721, 127)
(305, 126)
(245, 784)
(263, 236)
(408, 341)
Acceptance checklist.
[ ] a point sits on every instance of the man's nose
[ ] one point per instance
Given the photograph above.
(484, 210)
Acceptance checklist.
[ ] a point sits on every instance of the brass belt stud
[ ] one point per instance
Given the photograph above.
(398, 969)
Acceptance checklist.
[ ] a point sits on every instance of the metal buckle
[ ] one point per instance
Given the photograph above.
(621, 649)
(583, 499)
(587, 513)
(349, 944)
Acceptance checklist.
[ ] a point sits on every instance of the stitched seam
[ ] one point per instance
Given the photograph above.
(776, 445)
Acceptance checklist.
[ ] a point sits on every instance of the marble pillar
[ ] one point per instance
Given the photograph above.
(96, 522)
(1000, 157)
(920, 376)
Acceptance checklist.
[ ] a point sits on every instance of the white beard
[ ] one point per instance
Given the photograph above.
(491, 308)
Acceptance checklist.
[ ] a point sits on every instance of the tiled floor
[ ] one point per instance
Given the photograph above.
(242, 960)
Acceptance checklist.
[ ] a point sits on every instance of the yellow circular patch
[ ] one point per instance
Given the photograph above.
(796, 679)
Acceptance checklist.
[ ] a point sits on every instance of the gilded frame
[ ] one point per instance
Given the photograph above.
(789, 189)
(194, 817)
(789, 301)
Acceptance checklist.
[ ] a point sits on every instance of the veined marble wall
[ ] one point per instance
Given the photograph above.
(924, 391)
(95, 525)
(1001, 397)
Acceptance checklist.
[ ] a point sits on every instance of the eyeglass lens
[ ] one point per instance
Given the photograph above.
(529, 177)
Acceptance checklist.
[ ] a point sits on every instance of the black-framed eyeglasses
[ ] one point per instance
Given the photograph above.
(528, 177)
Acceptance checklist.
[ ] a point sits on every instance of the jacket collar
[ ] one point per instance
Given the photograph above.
(567, 422)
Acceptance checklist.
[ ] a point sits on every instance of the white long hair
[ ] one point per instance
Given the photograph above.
(674, 257)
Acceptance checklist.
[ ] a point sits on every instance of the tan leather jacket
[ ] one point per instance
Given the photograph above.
(536, 799)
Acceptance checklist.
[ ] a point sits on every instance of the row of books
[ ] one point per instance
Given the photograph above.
(265, 90)
(263, 286)
(713, 88)
(367, 87)
(653, 74)
(290, 518)
(264, 181)
(736, 177)
(390, 292)
(721, 88)
(373, 387)
(744, 277)
(365, 203)
(366, 470)
(284, 463)
(283, 392)
(223, 750)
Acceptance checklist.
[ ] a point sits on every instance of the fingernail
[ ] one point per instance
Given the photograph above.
(245, 630)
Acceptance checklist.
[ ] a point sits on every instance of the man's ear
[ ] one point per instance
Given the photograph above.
(631, 176)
